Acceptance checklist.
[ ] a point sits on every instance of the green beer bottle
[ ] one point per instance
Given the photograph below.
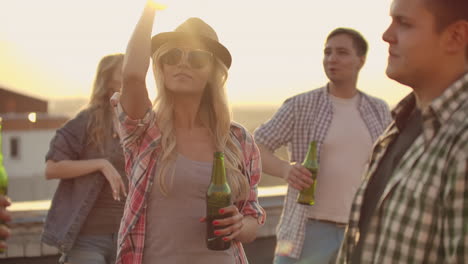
(3, 175)
(218, 196)
(307, 196)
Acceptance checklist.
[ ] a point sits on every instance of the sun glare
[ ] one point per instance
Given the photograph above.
(51, 49)
(159, 5)
(32, 117)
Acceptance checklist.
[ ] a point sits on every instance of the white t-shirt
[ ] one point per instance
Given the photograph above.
(344, 153)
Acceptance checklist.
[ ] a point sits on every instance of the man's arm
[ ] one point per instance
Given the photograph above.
(294, 173)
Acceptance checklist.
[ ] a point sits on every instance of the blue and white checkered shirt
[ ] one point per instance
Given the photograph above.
(301, 119)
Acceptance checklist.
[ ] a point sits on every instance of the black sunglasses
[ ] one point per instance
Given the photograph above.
(197, 59)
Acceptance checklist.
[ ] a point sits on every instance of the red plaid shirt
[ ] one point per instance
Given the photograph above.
(140, 140)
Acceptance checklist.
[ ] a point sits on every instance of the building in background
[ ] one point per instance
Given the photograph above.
(13, 102)
(27, 131)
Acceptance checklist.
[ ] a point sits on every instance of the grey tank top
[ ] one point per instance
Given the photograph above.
(174, 233)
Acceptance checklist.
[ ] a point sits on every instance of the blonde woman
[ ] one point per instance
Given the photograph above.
(85, 154)
(169, 148)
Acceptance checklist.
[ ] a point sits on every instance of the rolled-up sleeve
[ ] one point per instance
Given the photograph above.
(135, 134)
(253, 170)
(131, 130)
(277, 131)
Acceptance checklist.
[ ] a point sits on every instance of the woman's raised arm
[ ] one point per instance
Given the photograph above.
(134, 97)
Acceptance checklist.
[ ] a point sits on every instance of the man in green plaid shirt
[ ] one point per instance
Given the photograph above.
(412, 206)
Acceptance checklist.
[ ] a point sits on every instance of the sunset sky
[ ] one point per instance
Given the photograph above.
(50, 48)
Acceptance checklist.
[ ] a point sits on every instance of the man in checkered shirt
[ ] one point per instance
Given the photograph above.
(345, 122)
(413, 204)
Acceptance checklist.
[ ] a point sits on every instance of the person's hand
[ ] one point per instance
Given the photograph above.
(231, 226)
(4, 217)
(298, 176)
(157, 5)
(114, 179)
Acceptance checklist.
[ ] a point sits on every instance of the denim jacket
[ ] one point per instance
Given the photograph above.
(74, 198)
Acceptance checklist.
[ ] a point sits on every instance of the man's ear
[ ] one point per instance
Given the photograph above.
(456, 37)
(362, 60)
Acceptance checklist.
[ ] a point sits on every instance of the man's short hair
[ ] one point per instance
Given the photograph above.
(447, 12)
(359, 41)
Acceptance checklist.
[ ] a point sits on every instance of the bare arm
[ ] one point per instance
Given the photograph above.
(294, 173)
(249, 229)
(68, 169)
(271, 164)
(134, 97)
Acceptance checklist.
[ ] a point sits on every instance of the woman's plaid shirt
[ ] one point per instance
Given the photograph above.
(140, 139)
(422, 216)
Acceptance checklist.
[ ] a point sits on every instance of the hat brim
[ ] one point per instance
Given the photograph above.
(213, 46)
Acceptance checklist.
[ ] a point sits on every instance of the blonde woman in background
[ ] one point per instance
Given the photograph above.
(85, 154)
(169, 148)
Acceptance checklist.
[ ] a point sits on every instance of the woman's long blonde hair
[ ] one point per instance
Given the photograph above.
(215, 115)
(100, 126)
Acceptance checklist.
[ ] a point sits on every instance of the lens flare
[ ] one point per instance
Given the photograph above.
(158, 5)
(32, 117)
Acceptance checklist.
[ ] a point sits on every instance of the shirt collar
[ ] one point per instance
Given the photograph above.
(439, 111)
(327, 93)
(403, 110)
(450, 100)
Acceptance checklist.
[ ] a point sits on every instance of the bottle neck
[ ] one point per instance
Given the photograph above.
(312, 153)
(219, 171)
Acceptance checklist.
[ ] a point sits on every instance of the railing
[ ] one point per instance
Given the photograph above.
(29, 217)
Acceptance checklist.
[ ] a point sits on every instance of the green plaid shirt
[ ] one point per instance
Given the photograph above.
(422, 215)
